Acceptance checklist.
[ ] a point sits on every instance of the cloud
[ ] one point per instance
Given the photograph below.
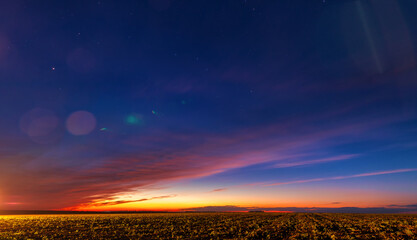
(345, 177)
(219, 190)
(315, 161)
(117, 202)
(232, 208)
(75, 174)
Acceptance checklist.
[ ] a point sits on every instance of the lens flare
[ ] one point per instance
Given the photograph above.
(134, 119)
(81, 123)
(40, 125)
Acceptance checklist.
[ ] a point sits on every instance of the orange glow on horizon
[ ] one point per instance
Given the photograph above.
(187, 200)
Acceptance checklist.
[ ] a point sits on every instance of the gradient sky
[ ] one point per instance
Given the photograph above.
(169, 105)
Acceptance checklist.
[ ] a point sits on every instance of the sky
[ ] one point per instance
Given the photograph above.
(293, 105)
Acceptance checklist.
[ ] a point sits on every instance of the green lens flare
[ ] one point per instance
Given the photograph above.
(134, 119)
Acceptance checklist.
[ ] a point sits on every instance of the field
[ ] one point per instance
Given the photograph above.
(209, 226)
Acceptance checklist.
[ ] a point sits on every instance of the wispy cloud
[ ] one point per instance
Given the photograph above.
(118, 202)
(95, 171)
(315, 161)
(344, 177)
(219, 190)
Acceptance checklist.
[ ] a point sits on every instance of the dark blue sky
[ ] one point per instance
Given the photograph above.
(304, 103)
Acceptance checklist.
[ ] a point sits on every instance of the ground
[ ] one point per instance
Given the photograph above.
(210, 226)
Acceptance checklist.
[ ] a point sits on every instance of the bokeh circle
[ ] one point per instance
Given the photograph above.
(81, 123)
